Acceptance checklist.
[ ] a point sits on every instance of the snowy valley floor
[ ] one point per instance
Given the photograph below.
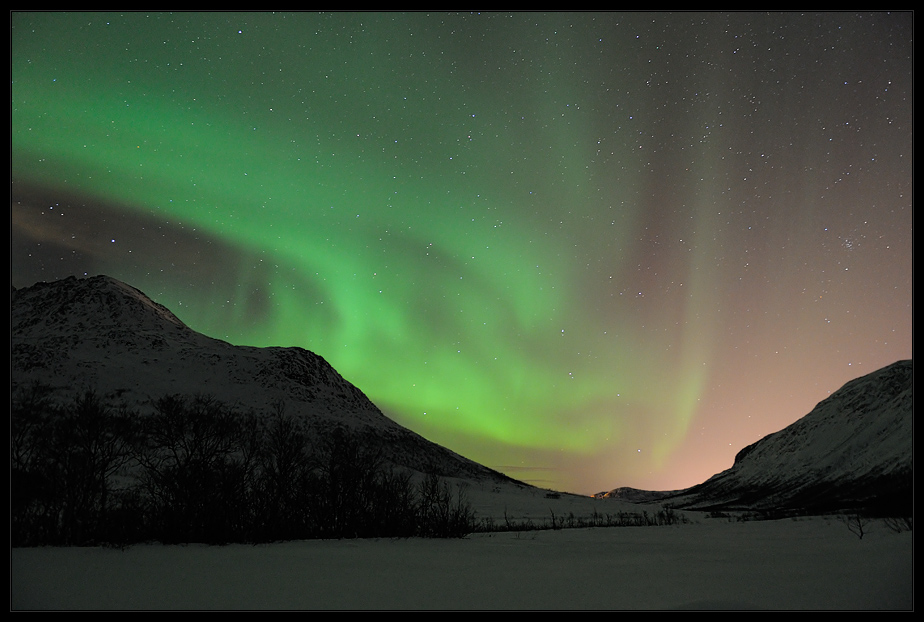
(710, 563)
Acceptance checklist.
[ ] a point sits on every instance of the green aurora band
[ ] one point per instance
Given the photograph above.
(411, 237)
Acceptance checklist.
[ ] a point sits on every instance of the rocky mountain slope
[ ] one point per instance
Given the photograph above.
(101, 334)
(854, 450)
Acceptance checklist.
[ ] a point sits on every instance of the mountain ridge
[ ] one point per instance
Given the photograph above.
(102, 334)
(853, 451)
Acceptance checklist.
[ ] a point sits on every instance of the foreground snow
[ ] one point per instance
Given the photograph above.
(814, 563)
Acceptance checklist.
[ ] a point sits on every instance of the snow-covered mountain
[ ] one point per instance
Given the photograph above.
(854, 450)
(101, 334)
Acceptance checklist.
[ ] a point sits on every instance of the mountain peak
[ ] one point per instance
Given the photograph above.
(99, 333)
(109, 302)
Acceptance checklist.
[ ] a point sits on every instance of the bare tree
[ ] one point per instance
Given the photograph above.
(857, 524)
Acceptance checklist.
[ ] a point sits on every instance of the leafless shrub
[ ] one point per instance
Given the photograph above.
(899, 524)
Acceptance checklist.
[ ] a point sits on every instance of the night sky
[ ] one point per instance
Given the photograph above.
(589, 250)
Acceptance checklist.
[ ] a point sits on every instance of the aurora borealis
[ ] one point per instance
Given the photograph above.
(587, 249)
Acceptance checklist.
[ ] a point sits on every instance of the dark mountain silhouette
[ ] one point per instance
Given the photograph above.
(101, 334)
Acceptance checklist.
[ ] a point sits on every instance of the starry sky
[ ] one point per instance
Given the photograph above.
(589, 250)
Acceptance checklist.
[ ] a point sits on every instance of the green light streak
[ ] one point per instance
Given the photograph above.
(421, 285)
